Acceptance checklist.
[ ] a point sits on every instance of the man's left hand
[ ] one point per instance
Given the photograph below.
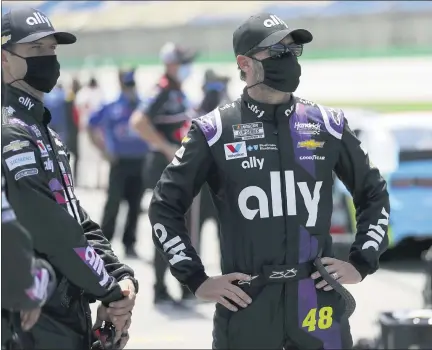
(126, 305)
(120, 311)
(342, 271)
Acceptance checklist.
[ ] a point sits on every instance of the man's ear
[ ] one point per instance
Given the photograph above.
(244, 63)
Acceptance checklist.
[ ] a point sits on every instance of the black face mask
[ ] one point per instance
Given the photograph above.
(282, 73)
(42, 72)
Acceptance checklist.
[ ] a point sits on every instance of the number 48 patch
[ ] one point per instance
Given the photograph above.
(325, 318)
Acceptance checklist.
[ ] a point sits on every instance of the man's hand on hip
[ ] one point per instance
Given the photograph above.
(341, 271)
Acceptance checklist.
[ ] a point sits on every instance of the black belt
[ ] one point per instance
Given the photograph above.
(279, 274)
(291, 273)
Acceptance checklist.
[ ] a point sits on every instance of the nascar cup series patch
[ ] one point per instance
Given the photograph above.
(248, 131)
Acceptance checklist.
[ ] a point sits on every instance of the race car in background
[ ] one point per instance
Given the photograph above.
(400, 145)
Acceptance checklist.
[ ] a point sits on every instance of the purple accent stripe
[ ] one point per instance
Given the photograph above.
(208, 126)
(308, 298)
(300, 116)
(55, 185)
(336, 119)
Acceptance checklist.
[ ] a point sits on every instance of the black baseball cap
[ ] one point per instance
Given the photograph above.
(25, 25)
(264, 30)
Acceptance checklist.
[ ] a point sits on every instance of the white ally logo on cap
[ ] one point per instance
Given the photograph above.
(274, 21)
(38, 18)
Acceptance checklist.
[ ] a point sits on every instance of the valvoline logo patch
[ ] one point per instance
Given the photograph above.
(235, 150)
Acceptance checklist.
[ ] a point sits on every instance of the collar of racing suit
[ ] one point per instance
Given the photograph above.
(266, 111)
(26, 104)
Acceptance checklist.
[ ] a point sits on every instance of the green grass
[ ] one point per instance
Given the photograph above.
(386, 107)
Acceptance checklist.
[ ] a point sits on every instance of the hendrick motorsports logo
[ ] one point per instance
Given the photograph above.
(308, 128)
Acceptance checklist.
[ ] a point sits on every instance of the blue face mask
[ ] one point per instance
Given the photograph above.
(183, 72)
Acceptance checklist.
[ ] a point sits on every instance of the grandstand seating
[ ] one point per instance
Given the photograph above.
(103, 15)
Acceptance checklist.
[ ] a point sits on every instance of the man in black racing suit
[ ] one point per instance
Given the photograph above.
(41, 191)
(268, 159)
(27, 281)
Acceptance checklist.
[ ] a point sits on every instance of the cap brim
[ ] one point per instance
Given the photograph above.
(63, 38)
(300, 36)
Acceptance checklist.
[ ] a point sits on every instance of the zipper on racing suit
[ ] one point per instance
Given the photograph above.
(285, 214)
(87, 316)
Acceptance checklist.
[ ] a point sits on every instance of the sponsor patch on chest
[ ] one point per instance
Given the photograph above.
(235, 150)
(248, 131)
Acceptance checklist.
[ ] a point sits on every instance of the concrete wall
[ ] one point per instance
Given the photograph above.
(372, 32)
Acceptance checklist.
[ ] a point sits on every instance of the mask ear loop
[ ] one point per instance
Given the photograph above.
(4, 95)
(258, 83)
(13, 81)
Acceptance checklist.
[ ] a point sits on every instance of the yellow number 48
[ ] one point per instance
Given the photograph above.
(325, 318)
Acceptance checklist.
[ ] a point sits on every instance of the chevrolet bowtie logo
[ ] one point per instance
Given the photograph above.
(310, 144)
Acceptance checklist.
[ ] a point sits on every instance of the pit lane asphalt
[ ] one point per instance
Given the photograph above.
(397, 286)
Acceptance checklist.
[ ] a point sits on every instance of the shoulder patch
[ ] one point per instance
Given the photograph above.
(7, 113)
(333, 120)
(17, 122)
(211, 126)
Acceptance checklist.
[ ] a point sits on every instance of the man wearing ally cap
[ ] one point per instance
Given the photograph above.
(41, 191)
(268, 158)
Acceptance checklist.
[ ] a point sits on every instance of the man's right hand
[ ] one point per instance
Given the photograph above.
(29, 318)
(220, 289)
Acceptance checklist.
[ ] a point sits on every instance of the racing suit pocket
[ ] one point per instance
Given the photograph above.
(259, 325)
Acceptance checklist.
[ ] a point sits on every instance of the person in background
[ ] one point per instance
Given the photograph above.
(215, 89)
(88, 99)
(110, 132)
(73, 127)
(55, 101)
(215, 94)
(163, 121)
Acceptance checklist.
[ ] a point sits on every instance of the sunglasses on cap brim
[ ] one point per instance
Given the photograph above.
(278, 50)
